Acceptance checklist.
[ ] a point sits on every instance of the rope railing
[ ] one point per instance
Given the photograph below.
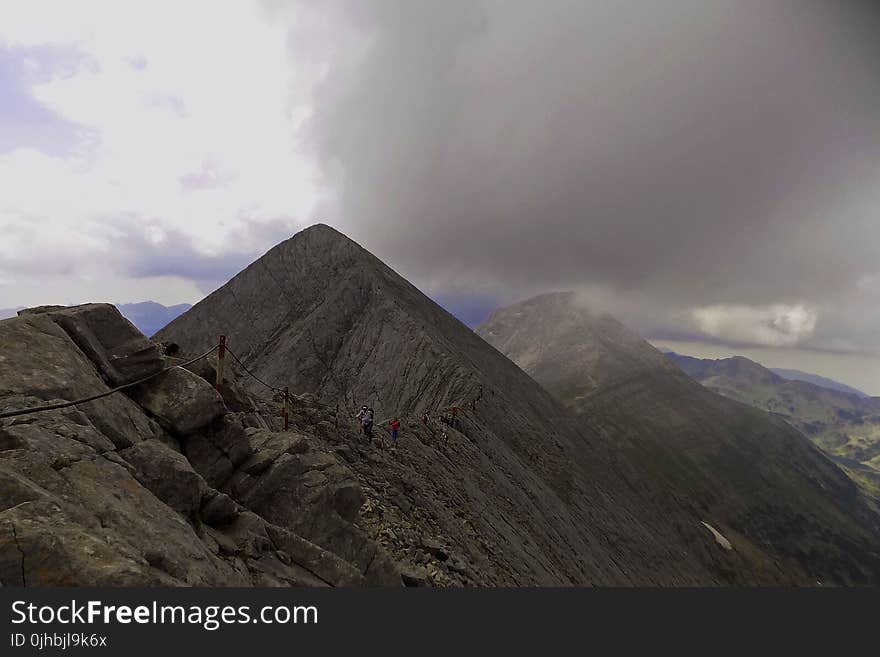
(222, 348)
(251, 374)
(276, 389)
(55, 407)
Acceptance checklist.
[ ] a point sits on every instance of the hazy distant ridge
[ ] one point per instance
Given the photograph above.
(815, 379)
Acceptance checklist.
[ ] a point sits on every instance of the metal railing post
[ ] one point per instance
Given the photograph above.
(221, 357)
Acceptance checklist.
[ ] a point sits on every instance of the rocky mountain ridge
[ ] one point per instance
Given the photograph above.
(752, 472)
(815, 379)
(571, 501)
(173, 482)
(159, 486)
(846, 426)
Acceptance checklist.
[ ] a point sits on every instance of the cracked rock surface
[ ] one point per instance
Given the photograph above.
(165, 486)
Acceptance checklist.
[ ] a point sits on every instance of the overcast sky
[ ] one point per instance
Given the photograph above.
(707, 171)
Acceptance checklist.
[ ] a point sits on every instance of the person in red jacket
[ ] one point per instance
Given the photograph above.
(395, 427)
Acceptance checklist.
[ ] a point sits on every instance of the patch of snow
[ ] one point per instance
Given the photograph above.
(719, 537)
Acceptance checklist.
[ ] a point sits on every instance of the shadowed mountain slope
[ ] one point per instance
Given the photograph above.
(846, 426)
(748, 471)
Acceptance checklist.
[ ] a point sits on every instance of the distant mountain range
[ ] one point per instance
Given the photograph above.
(148, 316)
(815, 379)
(846, 425)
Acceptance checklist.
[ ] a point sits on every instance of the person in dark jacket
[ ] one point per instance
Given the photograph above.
(366, 418)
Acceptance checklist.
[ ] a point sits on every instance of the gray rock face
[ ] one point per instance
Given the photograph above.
(39, 364)
(517, 490)
(119, 351)
(180, 400)
(99, 495)
(167, 474)
(284, 479)
(748, 471)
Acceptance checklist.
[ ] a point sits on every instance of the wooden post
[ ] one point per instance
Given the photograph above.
(286, 401)
(221, 357)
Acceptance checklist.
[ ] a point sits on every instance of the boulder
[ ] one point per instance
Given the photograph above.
(181, 401)
(39, 364)
(234, 396)
(218, 509)
(120, 352)
(167, 474)
(312, 494)
(91, 522)
(99, 494)
(323, 564)
(41, 546)
(268, 446)
(415, 576)
(218, 450)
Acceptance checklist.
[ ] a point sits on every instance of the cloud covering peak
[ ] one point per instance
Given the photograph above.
(689, 155)
(702, 168)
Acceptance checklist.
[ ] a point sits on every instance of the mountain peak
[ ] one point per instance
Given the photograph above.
(320, 236)
(319, 314)
(738, 461)
(606, 350)
(321, 231)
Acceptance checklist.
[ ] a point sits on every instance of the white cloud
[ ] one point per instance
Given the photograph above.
(777, 325)
(164, 93)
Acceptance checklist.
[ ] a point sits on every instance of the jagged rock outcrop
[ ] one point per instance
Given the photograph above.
(181, 401)
(515, 489)
(120, 352)
(752, 475)
(103, 493)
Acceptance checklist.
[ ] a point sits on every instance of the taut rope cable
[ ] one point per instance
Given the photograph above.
(55, 407)
(260, 381)
(251, 374)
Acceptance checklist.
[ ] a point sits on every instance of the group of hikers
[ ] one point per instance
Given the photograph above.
(366, 418)
(450, 418)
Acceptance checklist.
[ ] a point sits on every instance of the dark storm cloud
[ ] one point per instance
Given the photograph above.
(176, 253)
(682, 154)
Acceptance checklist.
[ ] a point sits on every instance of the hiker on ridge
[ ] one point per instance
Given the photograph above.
(366, 418)
(395, 427)
(368, 424)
